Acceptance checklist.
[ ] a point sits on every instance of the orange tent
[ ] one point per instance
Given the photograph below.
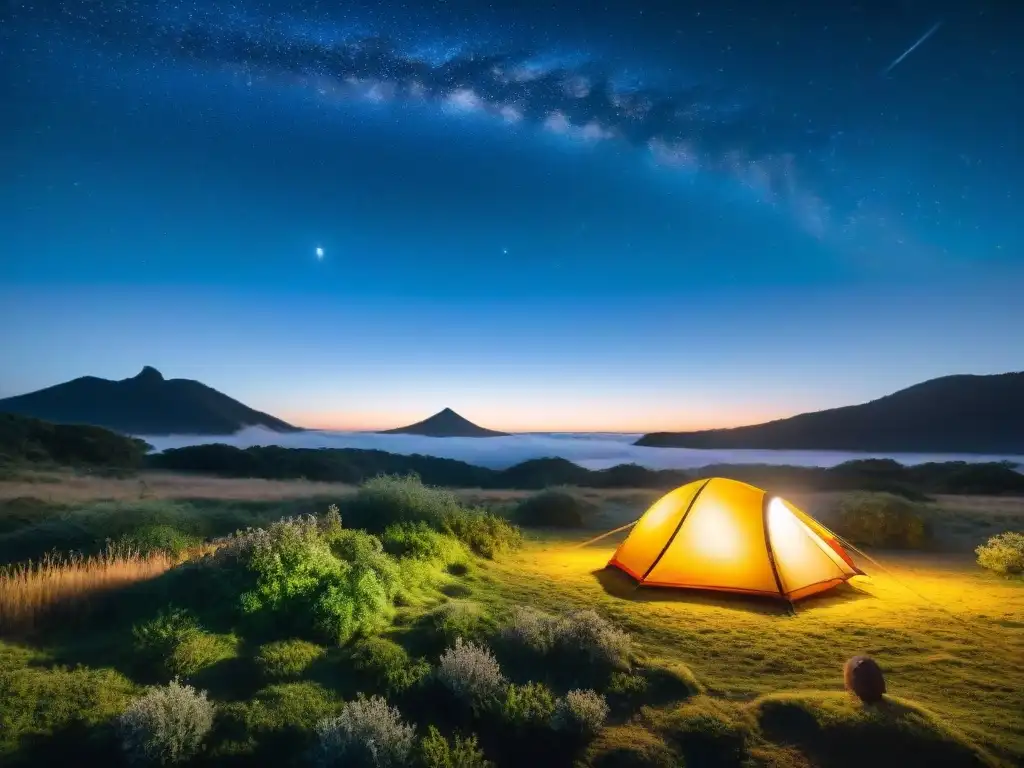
(726, 535)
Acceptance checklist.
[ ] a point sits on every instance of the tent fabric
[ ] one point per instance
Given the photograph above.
(722, 534)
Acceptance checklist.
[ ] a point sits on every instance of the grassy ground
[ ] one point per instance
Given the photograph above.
(949, 636)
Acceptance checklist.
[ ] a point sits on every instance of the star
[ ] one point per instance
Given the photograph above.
(319, 252)
(505, 251)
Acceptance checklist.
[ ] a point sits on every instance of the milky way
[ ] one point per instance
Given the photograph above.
(697, 129)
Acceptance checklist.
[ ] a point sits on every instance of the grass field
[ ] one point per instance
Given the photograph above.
(949, 636)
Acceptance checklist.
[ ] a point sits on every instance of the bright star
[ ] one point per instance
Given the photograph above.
(319, 252)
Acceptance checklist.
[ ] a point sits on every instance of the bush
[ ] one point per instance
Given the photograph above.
(287, 659)
(528, 706)
(436, 752)
(421, 542)
(388, 500)
(580, 713)
(312, 581)
(386, 665)
(455, 619)
(483, 532)
(882, 520)
(587, 634)
(471, 672)
(166, 724)
(173, 643)
(159, 538)
(554, 509)
(392, 500)
(367, 733)
(531, 629)
(1003, 553)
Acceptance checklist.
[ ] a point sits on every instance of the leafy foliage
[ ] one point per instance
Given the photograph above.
(437, 752)
(386, 666)
(287, 659)
(1003, 553)
(882, 520)
(166, 724)
(174, 644)
(553, 508)
(528, 706)
(317, 583)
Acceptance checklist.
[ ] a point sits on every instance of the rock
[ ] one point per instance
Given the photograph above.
(863, 678)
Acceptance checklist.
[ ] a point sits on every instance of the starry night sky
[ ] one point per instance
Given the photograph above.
(624, 215)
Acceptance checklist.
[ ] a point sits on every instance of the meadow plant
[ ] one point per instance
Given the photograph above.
(165, 725)
(287, 659)
(313, 579)
(529, 705)
(588, 634)
(580, 713)
(367, 734)
(471, 672)
(436, 752)
(64, 587)
(882, 520)
(1003, 553)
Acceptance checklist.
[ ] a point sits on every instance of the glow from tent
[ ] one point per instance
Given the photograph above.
(715, 532)
(784, 529)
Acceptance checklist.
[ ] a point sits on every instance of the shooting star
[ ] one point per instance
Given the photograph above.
(911, 49)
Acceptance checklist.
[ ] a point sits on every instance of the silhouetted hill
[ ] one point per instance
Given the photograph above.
(446, 423)
(147, 404)
(953, 414)
(351, 465)
(27, 440)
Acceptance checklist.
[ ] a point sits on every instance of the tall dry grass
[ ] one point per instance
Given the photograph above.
(64, 587)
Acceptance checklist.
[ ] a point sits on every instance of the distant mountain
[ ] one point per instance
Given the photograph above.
(953, 414)
(147, 404)
(446, 423)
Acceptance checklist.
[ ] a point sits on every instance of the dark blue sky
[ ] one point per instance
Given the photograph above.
(631, 215)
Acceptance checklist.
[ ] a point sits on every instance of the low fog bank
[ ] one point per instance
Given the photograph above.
(593, 451)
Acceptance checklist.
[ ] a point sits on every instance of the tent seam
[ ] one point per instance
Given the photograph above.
(679, 527)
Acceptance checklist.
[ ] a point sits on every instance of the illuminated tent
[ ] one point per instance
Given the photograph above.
(725, 535)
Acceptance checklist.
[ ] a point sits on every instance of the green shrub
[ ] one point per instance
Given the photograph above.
(588, 634)
(367, 734)
(882, 520)
(419, 541)
(440, 627)
(385, 665)
(39, 701)
(311, 582)
(581, 713)
(174, 644)
(166, 724)
(387, 500)
(198, 650)
(1003, 553)
(528, 706)
(281, 718)
(553, 509)
(159, 538)
(483, 532)
(705, 731)
(287, 659)
(436, 752)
